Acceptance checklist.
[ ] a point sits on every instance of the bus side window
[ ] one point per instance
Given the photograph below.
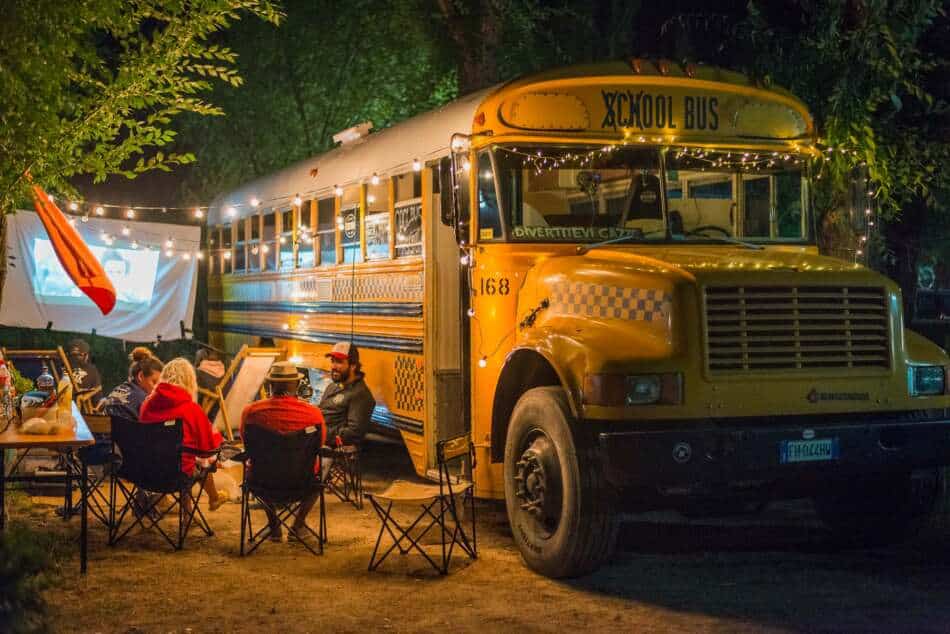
(489, 219)
(240, 246)
(269, 241)
(254, 244)
(408, 214)
(226, 251)
(377, 221)
(326, 232)
(788, 204)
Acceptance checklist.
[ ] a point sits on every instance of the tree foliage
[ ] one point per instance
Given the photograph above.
(330, 66)
(92, 86)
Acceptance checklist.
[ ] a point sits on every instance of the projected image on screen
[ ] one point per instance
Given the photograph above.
(132, 273)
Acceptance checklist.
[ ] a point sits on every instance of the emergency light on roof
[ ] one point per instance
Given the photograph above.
(351, 135)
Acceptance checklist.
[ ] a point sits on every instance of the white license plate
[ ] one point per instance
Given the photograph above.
(808, 450)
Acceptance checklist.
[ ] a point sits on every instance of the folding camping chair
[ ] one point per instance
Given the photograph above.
(279, 472)
(344, 477)
(151, 463)
(438, 506)
(243, 378)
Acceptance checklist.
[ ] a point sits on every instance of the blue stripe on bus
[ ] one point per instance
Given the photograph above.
(382, 416)
(326, 308)
(376, 342)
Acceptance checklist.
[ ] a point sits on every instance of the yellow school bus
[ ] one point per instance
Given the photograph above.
(608, 274)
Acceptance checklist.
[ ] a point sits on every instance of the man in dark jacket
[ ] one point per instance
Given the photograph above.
(347, 404)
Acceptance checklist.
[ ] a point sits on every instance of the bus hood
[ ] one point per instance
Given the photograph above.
(701, 262)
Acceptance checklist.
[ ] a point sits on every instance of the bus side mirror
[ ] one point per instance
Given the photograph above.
(446, 192)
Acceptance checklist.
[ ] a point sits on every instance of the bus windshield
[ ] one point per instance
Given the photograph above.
(586, 195)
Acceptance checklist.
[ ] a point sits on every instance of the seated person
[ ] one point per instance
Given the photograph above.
(85, 374)
(174, 398)
(347, 404)
(283, 413)
(209, 368)
(126, 398)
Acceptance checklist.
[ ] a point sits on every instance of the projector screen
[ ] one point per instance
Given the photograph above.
(154, 291)
(131, 271)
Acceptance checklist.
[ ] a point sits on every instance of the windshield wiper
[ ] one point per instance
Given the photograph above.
(584, 248)
(731, 240)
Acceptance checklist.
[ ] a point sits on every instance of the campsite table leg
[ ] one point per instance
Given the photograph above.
(84, 499)
(68, 484)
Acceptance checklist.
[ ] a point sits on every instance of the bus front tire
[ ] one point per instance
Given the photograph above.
(560, 508)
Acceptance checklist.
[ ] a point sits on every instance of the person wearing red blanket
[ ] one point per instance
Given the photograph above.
(174, 398)
(284, 413)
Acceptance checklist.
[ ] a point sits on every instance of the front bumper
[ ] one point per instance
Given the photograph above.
(692, 459)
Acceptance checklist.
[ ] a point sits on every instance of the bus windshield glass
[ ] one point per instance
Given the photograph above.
(587, 195)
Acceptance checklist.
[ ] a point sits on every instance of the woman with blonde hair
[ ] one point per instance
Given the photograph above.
(173, 398)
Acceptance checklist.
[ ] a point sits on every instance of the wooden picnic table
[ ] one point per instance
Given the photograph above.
(68, 440)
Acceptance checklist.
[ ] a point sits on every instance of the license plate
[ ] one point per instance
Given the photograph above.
(808, 450)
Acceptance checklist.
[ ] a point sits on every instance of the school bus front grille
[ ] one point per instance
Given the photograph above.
(752, 328)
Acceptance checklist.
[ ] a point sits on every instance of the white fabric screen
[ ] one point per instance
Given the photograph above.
(153, 292)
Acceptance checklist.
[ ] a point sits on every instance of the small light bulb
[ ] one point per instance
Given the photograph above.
(73, 206)
(232, 211)
(72, 222)
(135, 244)
(375, 179)
(337, 190)
(265, 248)
(464, 260)
(285, 326)
(227, 255)
(416, 165)
(200, 255)
(198, 213)
(339, 223)
(255, 202)
(169, 243)
(466, 165)
(85, 218)
(254, 251)
(186, 255)
(126, 231)
(169, 253)
(100, 211)
(283, 240)
(51, 198)
(370, 199)
(471, 312)
(296, 359)
(130, 213)
(483, 362)
(298, 200)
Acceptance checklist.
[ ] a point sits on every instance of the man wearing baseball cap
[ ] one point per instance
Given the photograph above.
(284, 413)
(347, 404)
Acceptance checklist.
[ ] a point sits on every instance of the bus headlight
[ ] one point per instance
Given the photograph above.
(617, 390)
(927, 380)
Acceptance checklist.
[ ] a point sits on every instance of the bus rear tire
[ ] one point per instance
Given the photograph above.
(560, 508)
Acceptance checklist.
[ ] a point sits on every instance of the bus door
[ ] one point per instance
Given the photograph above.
(447, 413)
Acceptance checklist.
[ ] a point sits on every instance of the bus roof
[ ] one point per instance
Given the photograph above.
(426, 136)
(387, 152)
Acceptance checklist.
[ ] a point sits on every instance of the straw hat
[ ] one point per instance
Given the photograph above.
(283, 371)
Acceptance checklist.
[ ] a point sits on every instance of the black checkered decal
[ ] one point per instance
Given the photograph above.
(610, 302)
(409, 383)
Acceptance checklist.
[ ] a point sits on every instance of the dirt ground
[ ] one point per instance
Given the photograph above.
(776, 572)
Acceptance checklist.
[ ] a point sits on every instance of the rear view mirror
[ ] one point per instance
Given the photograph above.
(446, 192)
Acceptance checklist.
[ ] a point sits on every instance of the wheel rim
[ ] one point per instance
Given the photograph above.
(537, 479)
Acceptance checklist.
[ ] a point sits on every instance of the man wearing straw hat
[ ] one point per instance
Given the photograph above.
(284, 413)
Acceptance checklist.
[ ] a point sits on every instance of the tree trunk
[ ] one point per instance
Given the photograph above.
(3, 252)
(476, 33)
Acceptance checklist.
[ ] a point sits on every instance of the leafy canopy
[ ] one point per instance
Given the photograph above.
(92, 86)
